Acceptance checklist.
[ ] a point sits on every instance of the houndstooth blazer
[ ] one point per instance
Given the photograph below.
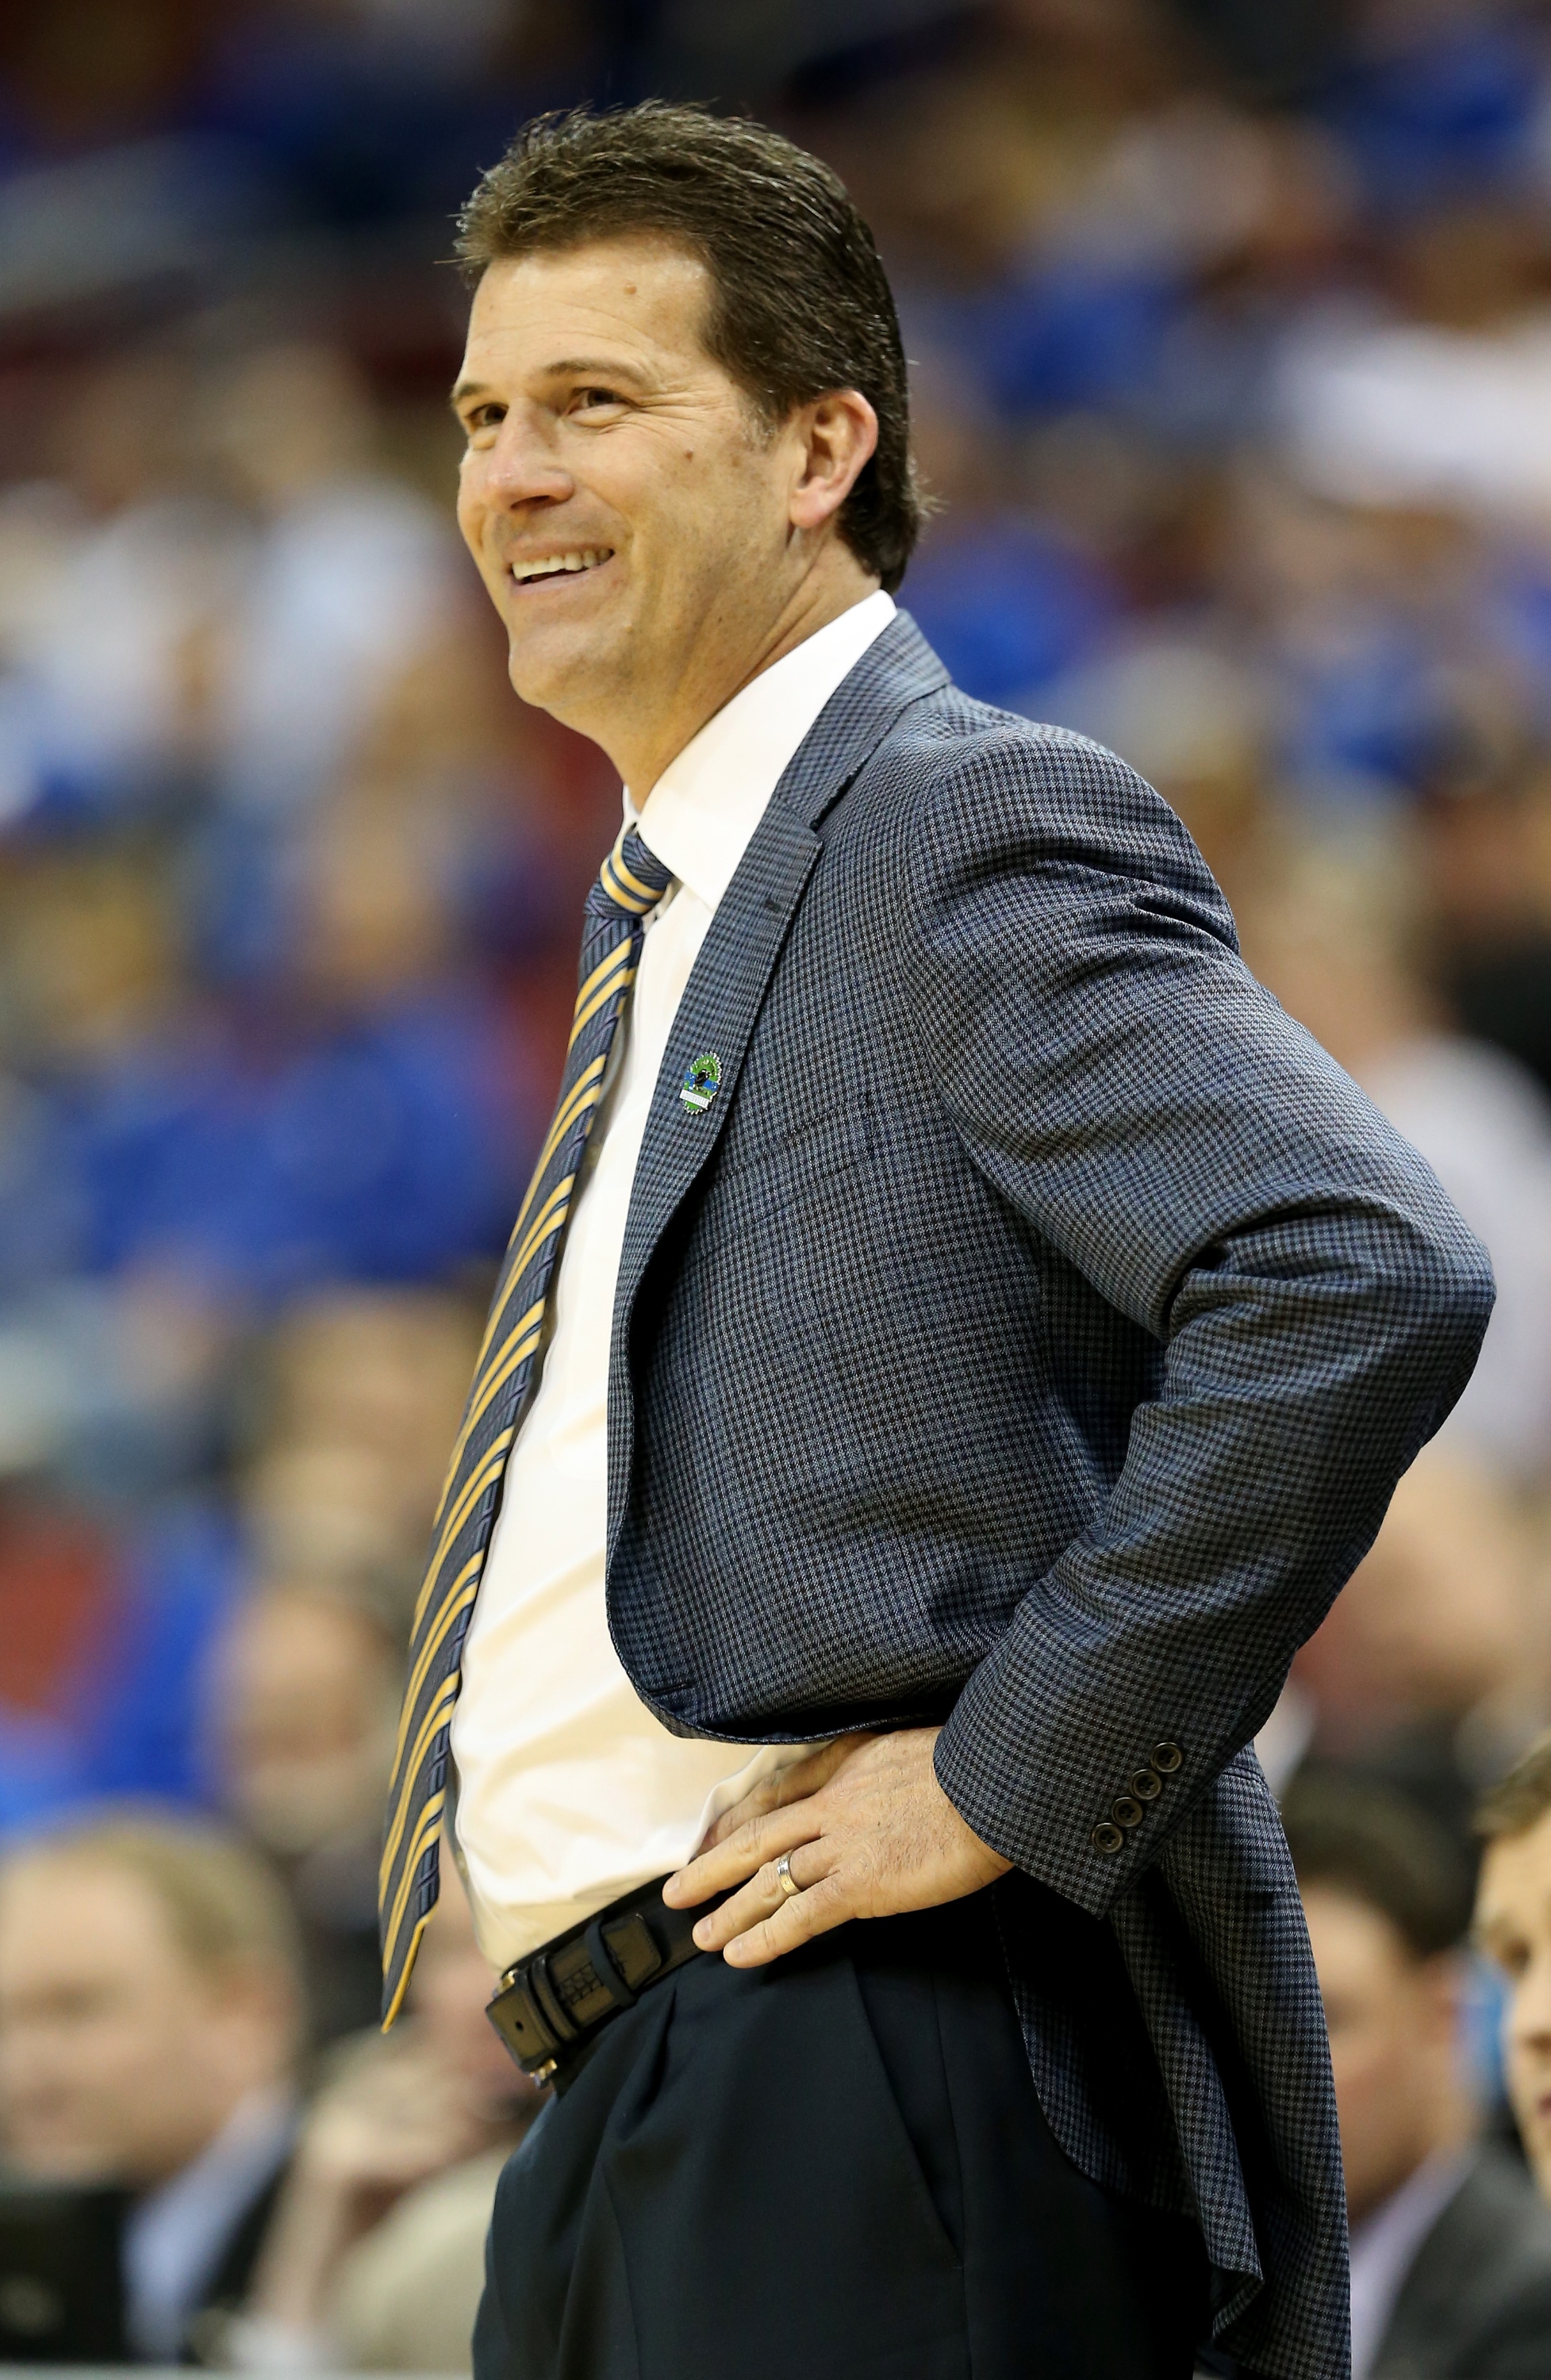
(1028, 1337)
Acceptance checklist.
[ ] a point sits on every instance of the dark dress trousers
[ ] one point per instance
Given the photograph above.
(1476, 2302)
(833, 2168)
(1027, 1338)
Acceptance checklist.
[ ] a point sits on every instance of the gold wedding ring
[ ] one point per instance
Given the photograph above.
(785, 1877)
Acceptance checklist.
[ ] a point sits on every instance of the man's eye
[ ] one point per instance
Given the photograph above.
(485, 417)
(587, 399)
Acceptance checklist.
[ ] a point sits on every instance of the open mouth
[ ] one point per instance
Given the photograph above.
(573, 564)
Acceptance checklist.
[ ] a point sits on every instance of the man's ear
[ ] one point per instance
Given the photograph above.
(1442, 1979)
(837, 435)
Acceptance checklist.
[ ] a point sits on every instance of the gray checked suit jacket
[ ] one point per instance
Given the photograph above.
(1029, 1338)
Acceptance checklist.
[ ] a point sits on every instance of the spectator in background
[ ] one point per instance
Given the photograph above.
(149, 2020)
(1513, 1924)
(1487, 857)
(374, 1378)
(1336, 939)
(123, 572)
(357, 1392)
(352, 574)
(1194, 722)
(304, 1689)
(1450, 2248)
(1439, 1625)
(376, 2257)
(332, 1514)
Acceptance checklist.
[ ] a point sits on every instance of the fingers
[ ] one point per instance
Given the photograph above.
(815, 1911)
(754, 1842)
(738, 1843)
(785, 1786)
(764, 1895)
(758, 1841)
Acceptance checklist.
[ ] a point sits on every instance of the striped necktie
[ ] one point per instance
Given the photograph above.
(631, 882)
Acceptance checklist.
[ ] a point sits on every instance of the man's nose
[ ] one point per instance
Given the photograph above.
(522, 466)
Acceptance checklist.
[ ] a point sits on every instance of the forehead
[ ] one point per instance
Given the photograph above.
(78, 1916)
(1352, 1939)
(1516, 1880)
(642, 298)
(303, 1640)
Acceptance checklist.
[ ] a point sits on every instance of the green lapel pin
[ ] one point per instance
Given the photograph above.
(702, 1082)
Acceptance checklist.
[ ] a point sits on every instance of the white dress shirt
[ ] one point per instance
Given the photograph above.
(569, 1792)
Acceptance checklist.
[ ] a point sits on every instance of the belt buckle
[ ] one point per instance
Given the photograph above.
(537, 2006)
(526, 2025)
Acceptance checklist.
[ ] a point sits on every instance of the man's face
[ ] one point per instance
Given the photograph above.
(119, 2058)
(628, 515)
(1513, 1921)
(303, 1719)
(1391, 2020)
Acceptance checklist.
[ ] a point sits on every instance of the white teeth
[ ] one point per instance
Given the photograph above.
(553, 564)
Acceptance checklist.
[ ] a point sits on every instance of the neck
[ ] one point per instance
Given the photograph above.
(642, 749)
(1449, 2123)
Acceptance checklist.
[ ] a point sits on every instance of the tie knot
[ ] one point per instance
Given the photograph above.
(633, 877)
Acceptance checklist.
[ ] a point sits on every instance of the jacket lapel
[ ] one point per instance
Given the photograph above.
(723, 998)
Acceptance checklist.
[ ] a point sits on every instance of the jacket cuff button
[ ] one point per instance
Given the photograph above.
(1126, 1811)
(1147, 1784)
(1107, 1838)
(1167, 1758)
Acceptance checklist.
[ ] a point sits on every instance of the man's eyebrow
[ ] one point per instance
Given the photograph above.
(604, 368)
(607, 369)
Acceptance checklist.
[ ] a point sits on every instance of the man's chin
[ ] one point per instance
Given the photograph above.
(561, 675)
(68, 2161)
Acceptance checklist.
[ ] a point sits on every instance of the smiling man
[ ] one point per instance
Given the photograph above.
(959, 1339)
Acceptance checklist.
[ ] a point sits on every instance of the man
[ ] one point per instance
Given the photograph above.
(149, 2028)
(959, 1338)
(1450, 2248)
(299, 1712)
(1513, 1924)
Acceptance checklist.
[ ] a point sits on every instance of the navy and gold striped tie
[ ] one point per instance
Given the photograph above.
(631, 882)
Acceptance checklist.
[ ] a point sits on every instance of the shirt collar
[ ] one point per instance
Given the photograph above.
(701, 813)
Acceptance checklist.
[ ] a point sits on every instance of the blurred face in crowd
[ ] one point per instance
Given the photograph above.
(304, 1713)
(650, 544)
(1513, 1921)
(1392, 2023)
(121, 2058)
(1441, 1611)
(380, 1373)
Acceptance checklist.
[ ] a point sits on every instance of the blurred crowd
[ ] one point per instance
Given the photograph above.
(1232, 350)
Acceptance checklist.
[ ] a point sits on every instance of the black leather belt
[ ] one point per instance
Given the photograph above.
(549, 2008)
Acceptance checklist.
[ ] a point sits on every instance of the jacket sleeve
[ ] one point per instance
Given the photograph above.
(1118, 1075)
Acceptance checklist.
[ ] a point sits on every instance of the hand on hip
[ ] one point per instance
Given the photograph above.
(861, 1829)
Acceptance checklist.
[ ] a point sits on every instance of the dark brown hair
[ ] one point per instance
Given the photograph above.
(801, 304)
(1362, 1839)
(1521, 1799)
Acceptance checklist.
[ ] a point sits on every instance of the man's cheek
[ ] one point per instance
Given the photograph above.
(1523, 2083)
(471, 510)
